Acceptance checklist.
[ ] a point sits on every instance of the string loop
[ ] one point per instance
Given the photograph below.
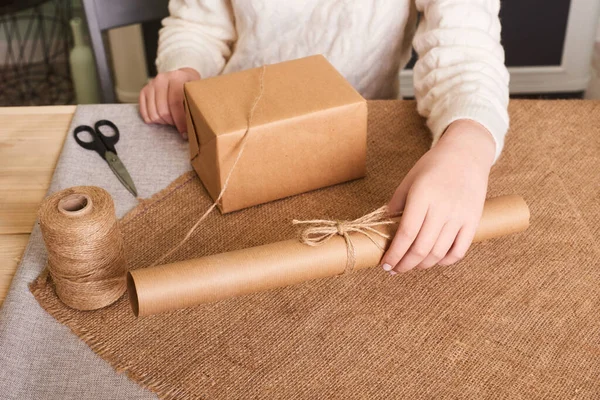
(319, 231)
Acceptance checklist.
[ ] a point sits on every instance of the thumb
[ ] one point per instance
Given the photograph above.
(398, 200)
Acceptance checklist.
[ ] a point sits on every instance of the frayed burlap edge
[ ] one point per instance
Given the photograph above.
(38, 288)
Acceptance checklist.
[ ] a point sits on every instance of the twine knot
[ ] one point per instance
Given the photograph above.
(319, 231)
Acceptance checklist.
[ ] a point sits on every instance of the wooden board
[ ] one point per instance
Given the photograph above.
(31, 139)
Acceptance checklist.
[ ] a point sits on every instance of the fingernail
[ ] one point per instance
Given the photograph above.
(393, 273)
(387, 267)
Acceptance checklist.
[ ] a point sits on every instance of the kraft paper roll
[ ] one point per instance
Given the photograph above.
(222, 276)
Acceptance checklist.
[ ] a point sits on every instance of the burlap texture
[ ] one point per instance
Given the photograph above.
(518, 318)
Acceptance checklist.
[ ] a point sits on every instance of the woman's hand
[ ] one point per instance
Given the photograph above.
(442, 200)
(161, 100)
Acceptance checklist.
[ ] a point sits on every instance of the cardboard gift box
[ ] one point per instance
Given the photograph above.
(308, 131)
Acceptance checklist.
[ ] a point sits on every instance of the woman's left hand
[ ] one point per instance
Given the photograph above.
(442, 199)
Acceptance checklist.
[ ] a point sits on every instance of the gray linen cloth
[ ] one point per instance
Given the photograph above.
(40, 358)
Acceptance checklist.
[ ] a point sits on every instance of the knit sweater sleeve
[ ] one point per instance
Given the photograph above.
(460, 73)
(198, 34)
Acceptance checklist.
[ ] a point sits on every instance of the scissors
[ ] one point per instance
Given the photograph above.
(105, 146)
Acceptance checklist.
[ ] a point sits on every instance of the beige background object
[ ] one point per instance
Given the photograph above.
(128, 61)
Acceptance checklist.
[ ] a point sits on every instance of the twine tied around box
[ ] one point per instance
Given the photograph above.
(226, 183)
(321, 230)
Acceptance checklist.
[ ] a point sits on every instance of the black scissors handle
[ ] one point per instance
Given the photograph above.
(100, 143)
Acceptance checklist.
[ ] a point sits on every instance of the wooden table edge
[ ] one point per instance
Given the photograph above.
(37, 110)
(16, 254)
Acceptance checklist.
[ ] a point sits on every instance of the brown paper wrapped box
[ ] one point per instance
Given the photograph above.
(308, 131)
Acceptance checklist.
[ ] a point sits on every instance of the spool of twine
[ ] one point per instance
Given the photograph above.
(86, 259)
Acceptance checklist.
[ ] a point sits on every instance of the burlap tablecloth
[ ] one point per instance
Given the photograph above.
(518, 318)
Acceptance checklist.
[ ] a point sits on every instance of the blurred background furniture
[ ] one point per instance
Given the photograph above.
(548, 49)
(34, 47)
(103, 15)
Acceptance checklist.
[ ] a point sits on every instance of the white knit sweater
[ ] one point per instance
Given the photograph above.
(460, 72)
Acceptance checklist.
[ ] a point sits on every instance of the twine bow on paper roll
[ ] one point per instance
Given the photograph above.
(320, 231)
(86, 258)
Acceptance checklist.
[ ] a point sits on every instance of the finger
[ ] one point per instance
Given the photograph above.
(423, 244)
(151, 104)
(461, 245)
(398, 201)
(176, 105)
(442, 245)
(143, 107)
(161, 91)
(408, 229)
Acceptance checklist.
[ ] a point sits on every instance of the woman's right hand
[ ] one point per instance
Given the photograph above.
(161, 100)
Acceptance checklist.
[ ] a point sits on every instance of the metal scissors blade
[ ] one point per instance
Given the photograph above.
(114, 162)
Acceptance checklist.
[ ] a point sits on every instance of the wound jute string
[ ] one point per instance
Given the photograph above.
(319, 231)
(86, 259)
(242, 145)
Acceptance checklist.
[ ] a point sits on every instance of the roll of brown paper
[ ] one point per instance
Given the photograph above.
(221, 276)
